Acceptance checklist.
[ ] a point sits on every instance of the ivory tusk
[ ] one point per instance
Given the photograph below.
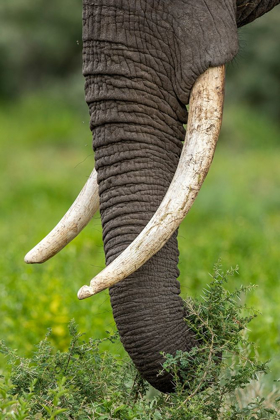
(204, 123)
(76, 218)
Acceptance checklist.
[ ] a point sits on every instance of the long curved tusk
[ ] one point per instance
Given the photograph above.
(76, 218)
(204, 123)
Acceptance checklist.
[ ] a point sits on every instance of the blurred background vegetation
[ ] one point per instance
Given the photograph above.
(46, 157)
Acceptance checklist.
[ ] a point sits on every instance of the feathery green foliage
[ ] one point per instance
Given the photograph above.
(86, 383)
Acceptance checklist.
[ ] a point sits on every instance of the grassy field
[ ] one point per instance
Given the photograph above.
(46, 158)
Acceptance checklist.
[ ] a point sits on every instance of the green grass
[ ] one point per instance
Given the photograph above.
(45, 159)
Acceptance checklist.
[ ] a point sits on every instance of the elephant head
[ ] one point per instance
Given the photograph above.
(143, 62)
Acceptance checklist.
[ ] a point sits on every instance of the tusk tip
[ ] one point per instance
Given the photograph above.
(28, 259)
(32, 258)
(85, 292)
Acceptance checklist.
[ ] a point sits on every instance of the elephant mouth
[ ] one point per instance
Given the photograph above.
(204, 124)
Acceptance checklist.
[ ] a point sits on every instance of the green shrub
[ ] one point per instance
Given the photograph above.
(213, 381)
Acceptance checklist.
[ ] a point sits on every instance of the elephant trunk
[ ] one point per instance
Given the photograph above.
(135, 163)
(136, 156)
(137, 126)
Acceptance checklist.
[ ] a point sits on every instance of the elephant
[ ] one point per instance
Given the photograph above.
(143, 62)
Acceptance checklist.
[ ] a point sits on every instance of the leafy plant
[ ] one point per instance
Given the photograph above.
(212, 380)
(208, 376)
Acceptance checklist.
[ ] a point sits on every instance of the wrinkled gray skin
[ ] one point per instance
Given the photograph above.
(140, 61)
